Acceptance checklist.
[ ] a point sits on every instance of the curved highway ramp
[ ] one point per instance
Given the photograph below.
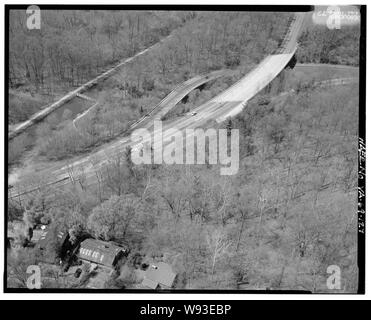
(161, 109)
(227, 104)
(262, 75)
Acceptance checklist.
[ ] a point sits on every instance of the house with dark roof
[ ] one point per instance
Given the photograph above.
(159, 276)
(102, 253)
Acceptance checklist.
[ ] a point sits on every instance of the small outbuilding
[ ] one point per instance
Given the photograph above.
(159, 276)
(101, 252)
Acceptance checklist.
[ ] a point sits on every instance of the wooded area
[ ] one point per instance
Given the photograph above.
(322, 45)
(207, 41)
(288, 214)
(73, 46)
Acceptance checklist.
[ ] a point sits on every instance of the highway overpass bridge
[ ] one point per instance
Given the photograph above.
(227, 104)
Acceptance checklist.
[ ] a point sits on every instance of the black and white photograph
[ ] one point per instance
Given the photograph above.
(184, 149)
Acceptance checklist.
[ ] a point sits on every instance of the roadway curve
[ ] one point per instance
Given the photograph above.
(227, 104)
(170, 101)
(157, 112)
(124, 143)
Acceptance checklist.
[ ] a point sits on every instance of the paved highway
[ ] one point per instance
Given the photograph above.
(18, 129)
(227, 104)
(163, 107)
(169, 102)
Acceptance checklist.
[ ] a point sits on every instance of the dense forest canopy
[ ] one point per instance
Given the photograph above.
(206, 41)
(74, 45)
(322, 45)
(288, 214)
